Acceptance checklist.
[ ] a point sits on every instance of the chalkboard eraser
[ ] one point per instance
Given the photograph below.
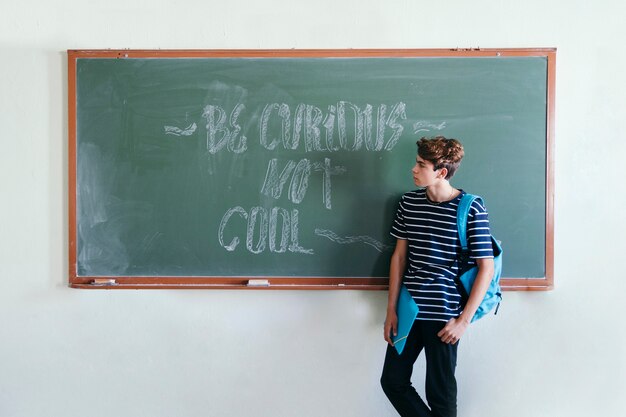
(103, 281)
(258, 283)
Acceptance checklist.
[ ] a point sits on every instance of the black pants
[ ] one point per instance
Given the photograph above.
(440, 380)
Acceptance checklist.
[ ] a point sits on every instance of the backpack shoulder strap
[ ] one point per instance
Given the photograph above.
(461, 218)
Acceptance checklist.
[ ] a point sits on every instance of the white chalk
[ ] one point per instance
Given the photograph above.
(258, 283)
(103, 281)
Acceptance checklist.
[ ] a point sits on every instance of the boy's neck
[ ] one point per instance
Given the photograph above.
(440, 192)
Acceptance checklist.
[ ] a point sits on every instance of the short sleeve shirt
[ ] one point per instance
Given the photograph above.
(434, 250)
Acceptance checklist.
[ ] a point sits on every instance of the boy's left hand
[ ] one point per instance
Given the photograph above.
(453, 330)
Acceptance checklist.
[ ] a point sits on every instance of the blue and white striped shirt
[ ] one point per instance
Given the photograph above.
(434, 249)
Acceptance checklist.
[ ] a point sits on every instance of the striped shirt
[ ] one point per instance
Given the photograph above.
(434, 248)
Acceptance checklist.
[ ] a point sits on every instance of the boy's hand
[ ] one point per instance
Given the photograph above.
(453, 330)
(391, 326)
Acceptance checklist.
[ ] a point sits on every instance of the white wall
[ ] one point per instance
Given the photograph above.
(66, 353)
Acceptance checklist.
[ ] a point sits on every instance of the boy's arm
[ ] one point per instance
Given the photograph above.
(455, 328)
(396, 270)
(479, 289)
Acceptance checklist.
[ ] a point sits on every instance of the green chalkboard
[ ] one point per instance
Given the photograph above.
(209, 167)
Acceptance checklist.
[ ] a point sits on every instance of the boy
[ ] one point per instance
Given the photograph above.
(426, 260)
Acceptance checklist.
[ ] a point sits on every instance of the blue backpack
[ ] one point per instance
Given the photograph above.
(467, 272)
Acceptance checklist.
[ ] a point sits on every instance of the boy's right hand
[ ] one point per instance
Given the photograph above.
(391, 326)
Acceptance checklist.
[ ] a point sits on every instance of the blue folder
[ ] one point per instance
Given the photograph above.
(407, 312)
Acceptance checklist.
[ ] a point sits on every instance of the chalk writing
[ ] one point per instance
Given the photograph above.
(341, 126)
(259, 225)
(425, 126)
(218, 134)
(379, 246)
(173, 130)
(308, 122)
(274, 182)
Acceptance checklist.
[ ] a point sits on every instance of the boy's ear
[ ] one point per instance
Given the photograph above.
(443, 173)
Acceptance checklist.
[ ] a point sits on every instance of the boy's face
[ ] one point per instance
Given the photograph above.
(424, 173)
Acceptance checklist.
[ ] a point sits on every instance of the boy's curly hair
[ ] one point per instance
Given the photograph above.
(442, 153)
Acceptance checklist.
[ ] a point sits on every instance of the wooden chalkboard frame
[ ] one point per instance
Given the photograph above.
(300, 283)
